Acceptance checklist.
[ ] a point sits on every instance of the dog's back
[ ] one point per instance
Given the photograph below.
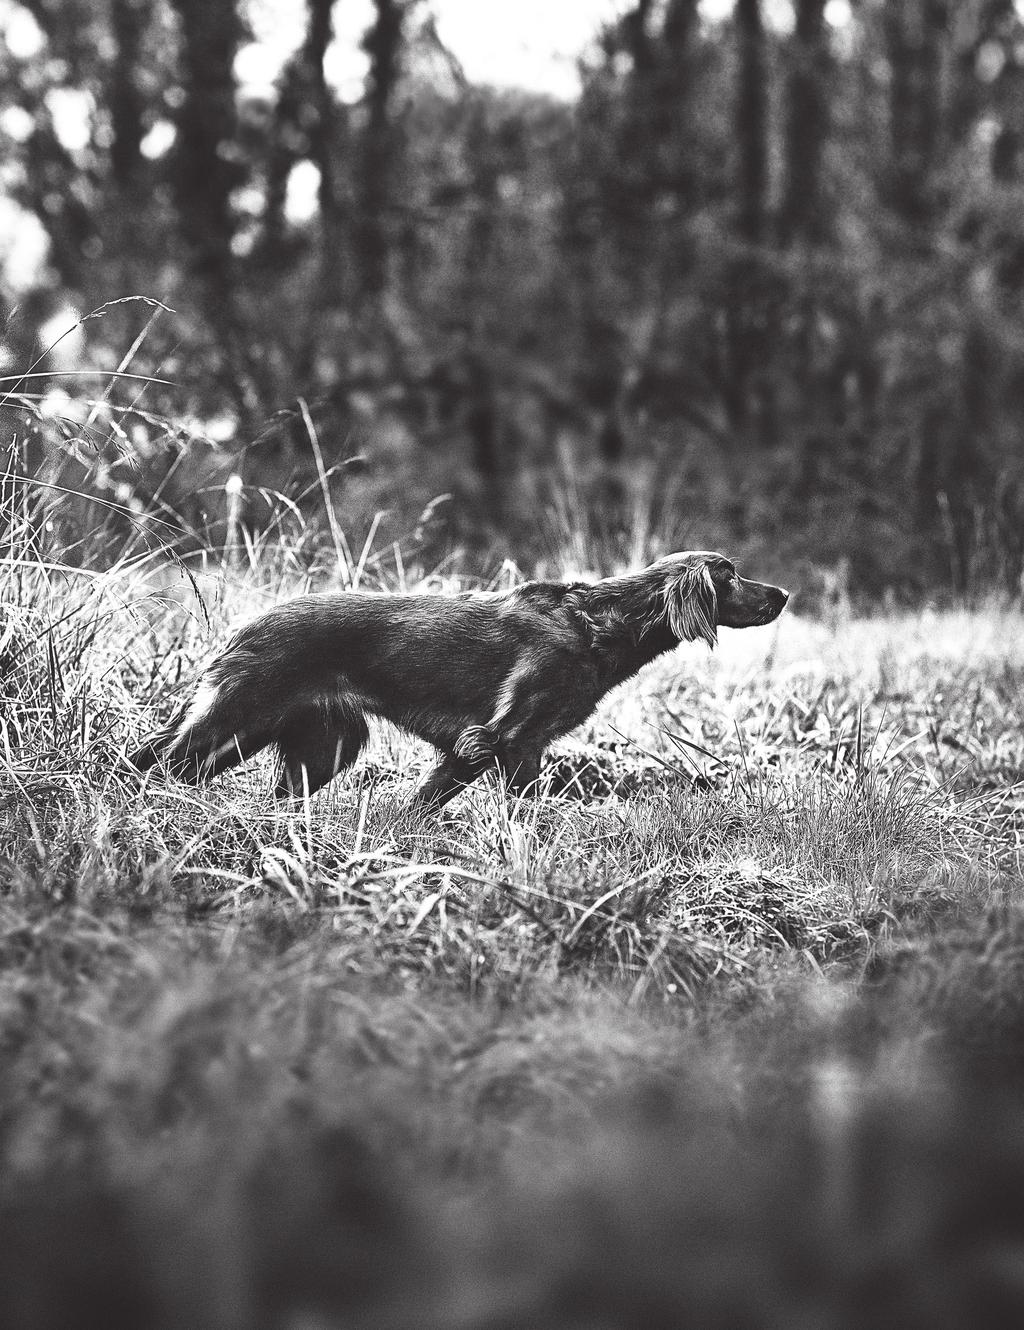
(322, 661)
(375, 645)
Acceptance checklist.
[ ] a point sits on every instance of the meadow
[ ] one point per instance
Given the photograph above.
(725, 1028)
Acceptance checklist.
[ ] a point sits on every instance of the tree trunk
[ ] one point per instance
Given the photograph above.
(124, 94)
(383, 44)
(679, 172)
(326, 139)
(750, 314)
(206, 125)
(285, 147)
(751, 122)
(806, 125)
(203, 176)
(914, 34)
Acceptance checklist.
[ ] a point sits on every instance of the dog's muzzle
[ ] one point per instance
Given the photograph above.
(774, 603)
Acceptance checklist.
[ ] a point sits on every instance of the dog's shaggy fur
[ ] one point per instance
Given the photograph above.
(488, 678)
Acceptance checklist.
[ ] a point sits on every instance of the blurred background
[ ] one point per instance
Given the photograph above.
(656, 272)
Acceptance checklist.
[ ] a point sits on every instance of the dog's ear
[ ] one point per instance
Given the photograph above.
(691, 606)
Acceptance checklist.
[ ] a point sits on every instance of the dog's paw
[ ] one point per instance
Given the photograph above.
(476, 745)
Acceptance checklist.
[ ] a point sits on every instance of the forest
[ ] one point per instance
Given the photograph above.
(758, 287)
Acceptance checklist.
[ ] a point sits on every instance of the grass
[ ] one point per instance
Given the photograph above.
(722, 1029)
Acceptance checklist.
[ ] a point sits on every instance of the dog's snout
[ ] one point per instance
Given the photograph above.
(773, 602)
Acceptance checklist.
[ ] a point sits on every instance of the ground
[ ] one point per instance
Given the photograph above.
(724, 1028)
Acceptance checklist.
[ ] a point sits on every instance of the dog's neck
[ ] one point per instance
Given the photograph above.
(624, 622)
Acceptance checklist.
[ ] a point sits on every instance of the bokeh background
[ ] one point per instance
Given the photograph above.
(737, 274)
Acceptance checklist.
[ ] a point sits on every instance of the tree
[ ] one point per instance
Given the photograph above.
(378, 159)
(748, 385)
(125, 96)
(807, 125)
(328, 137)
(914, 34)
(751, 123)
(204, 171)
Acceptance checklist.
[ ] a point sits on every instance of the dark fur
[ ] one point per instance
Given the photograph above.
(487, 678)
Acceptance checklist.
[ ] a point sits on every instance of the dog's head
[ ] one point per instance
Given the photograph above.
(703, 592)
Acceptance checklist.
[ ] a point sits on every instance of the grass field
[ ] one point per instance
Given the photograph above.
(725, 1029)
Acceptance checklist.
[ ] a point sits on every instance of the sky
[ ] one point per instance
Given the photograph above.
(508, 43)
(524, 43)
(533, 44)
(536, 43)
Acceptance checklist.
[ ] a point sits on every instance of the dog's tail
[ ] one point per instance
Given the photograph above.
(205, 736)
(153, 747)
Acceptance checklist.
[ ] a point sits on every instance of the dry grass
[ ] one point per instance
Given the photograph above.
(693, 1038)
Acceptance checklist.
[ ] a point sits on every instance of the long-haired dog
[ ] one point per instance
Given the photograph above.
(490, 679)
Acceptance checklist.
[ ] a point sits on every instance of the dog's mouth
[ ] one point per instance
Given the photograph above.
(758, 611)
(769, 611)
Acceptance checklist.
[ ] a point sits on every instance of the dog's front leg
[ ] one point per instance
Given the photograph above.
(520, 769)
(516, 731)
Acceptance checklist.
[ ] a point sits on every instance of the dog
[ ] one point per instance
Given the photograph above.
(488, 678)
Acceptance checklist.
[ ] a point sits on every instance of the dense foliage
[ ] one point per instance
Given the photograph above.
(761, 280)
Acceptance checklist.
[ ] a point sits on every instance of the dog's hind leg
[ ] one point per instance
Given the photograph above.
(476, 746)
(315, 743)
(451, 775)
